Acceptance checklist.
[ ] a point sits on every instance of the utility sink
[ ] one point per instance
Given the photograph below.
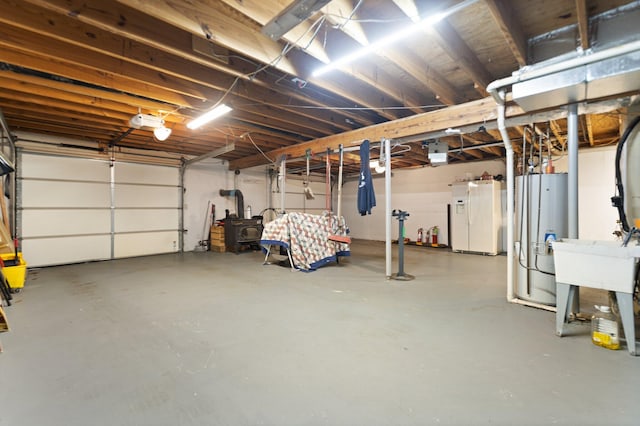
(597, 264)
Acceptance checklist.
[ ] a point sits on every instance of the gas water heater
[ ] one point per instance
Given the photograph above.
(541, 218)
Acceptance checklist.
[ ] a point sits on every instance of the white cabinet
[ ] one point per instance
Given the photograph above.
(476, 216)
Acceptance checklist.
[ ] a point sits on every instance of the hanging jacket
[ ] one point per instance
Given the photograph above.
(366, 194)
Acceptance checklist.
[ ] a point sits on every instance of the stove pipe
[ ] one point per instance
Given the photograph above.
(239, 200)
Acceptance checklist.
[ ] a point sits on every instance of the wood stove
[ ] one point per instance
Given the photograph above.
(242, 232)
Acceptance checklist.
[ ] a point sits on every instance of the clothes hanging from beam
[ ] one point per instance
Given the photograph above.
(366, 193)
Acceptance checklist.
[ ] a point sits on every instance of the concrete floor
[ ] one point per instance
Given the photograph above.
(220, 339)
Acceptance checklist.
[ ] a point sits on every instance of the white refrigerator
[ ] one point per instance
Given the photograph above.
(476, 216)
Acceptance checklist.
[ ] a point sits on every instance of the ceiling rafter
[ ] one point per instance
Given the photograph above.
(368, 73)
(459, 51)
(502, 12)
(407, 60)
(583, 23)
(409, 8)
(342, 15)
(115, 18)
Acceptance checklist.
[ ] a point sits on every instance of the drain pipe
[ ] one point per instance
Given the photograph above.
(511, 297)
(510, 192)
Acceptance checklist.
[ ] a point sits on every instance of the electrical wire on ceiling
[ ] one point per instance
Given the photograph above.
(248, 134)
(350, 17)
(286, 49)
(331, 108)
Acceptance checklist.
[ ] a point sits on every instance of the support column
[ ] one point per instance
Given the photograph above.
(572, 190)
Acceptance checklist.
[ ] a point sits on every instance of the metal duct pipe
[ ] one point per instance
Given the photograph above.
(239, 200)
(527, 74)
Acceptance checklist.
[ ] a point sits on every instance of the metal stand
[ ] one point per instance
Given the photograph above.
(401, 276)
(268, 262)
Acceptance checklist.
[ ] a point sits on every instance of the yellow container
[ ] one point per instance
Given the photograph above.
(15, 275)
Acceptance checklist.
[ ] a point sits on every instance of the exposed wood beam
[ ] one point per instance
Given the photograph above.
(409, 8)
(338, 13)
(193, 18)
(473, 113)
(460, 52)
(369, 72)
(263, 11)
(589, 129)
(481, 111)
(583, 23)
(164, 63)
(502, 12)
(406, 60)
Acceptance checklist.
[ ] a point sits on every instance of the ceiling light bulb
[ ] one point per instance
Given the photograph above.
(209, 116)
(161, 133)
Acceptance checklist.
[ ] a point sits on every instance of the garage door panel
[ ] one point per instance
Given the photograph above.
(41, 193)
(146, 220)
(70, 212)
(145, 196)
(51, 167)
(140, 244)
(60, 251)
(141, 173)
(41, 223)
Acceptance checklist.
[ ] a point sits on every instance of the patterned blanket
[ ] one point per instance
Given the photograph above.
(307, 238)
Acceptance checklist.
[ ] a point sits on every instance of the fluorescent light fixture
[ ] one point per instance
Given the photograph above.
(208, 116)
(161, 133)
(392, 38)
(353, 56)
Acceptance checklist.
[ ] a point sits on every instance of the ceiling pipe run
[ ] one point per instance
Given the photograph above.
(586, 58)
(596, 80)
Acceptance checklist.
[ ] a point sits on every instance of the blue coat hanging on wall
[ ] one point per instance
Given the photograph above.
(366, 194)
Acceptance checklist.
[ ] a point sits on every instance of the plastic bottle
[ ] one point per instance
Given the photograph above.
(604, 328)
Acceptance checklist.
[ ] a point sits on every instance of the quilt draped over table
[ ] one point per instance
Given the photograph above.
(307, 237)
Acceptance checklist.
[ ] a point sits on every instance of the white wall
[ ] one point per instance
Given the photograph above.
(596, 185)
(203, 182)
(423, 192)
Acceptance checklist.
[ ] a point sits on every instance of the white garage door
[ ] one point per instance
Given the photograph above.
(146, 201)
(74, 209)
